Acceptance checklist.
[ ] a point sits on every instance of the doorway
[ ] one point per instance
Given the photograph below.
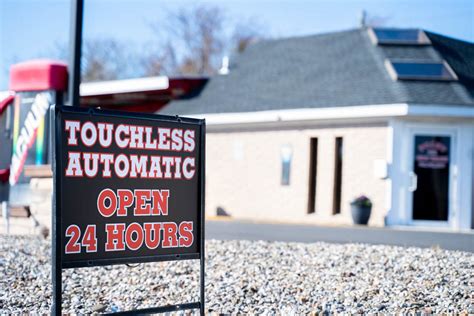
(431, 177)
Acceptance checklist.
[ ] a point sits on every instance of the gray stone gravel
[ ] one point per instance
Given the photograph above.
(246, 277)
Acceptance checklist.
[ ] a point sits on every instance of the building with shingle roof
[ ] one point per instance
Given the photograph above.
(331, 70)
(298, 127)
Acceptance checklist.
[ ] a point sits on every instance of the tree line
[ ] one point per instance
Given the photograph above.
(192, 41)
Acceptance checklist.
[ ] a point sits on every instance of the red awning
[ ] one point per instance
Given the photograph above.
(36, 75)
(146, 95)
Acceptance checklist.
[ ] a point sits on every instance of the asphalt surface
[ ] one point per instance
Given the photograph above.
(235, 230)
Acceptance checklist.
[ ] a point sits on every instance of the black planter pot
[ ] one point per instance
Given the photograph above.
(360, 214)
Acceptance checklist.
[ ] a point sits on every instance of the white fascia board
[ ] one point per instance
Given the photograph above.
(124, 86)
(338, 113)
(441, 111)
(332, 113)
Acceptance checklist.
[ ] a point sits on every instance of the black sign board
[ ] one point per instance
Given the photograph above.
(129, 188)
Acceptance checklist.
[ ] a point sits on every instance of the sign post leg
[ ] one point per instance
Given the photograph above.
(203, 217)
(57, 291)
(203, 286)
(56, 273)
(56, 266)
(56, 269)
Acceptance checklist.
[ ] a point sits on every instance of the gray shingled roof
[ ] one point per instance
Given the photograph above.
(459, 55)
(328, 70)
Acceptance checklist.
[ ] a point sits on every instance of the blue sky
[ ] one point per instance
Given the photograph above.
(33, 28)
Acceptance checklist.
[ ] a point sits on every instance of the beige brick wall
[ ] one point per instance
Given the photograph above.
(243, 171)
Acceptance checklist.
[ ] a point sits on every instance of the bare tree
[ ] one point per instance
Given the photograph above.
(160, 61)
(195, 39)
(102, 59)
(192, 41)
(246, 33)
(106, 59)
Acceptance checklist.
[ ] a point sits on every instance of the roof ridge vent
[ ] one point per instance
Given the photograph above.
(224, 70)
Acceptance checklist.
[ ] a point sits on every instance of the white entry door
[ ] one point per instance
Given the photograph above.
(432, 183)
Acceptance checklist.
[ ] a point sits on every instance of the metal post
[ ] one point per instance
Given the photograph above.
(75, 40)
(203, 216)
(56, 266)
(56, 270)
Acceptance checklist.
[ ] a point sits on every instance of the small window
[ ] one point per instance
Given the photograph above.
(313, 174)
(386, 36)
(420, 70)
(286, 154)
(337, 189)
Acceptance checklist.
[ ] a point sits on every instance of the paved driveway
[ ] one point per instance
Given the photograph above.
(230, 230)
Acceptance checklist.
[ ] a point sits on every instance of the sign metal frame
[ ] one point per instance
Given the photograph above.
(57, 260)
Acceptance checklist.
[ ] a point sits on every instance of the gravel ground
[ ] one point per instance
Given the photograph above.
(251, 278)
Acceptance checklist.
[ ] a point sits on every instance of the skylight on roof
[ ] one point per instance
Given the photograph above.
(386, 36)
(420, 70)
